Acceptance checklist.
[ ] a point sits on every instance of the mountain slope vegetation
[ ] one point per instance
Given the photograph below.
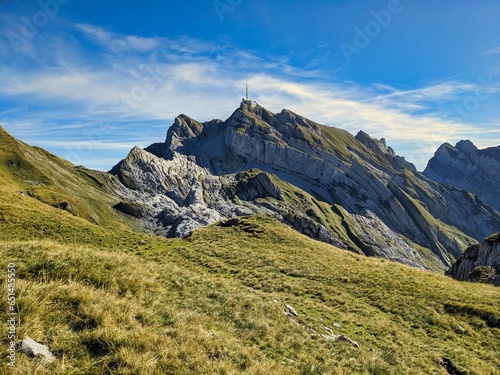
(34, 172)
(110, 300)
(151, 305)
(351, 192)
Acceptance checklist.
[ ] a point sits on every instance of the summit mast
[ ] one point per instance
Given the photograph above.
(245, 100)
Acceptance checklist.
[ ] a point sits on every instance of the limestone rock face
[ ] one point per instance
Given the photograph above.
(353, 192)
(381, 147)
(479, 262)
(468, 168)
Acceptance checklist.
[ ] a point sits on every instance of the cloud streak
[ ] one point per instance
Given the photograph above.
(128, 84)
(492, 51)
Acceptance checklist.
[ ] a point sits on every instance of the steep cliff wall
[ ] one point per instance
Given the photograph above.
(479, 262)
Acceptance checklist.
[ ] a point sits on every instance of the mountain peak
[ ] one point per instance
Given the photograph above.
(466, 146)
(320, 180)
(375, 144)
(186, 127)
(468, 168)
(380, 146)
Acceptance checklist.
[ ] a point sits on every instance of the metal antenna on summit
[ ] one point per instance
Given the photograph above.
(245, 100)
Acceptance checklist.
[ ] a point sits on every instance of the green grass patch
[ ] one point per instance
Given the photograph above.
(191, 307)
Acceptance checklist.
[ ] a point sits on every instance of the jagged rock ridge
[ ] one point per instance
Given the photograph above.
(354, 192)
(468, 168)
(479, 262)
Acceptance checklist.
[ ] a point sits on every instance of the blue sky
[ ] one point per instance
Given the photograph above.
(89, 80)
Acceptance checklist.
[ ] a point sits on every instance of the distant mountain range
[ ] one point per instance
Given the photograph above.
(353, 192)
(468, 168)
(350, 191)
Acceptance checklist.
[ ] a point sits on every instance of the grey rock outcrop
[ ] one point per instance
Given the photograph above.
(32, 348)
(468, 168)
(353, 192)
(479, 262)
(290, 311)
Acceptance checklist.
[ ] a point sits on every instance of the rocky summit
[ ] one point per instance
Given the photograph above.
(468, 168)
(350, 191)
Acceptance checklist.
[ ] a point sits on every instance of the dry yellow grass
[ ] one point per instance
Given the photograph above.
(107, 300)
(213, 304)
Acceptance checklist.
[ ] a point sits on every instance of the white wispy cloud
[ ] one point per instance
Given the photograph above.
(137, 81)
(492, 51)
(119, 43)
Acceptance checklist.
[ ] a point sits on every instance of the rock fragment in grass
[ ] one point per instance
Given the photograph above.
(290, 311)
(460, 328)
(34, 349)
(230, 222)
(334, 337)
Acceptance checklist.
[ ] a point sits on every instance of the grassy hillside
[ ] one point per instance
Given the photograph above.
(34, 172)
(109, 300)
(118, 302)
